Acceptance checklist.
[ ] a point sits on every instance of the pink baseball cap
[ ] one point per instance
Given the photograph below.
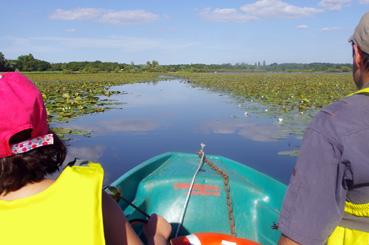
(21, 108)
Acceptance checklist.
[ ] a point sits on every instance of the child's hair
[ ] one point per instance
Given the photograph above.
(28, 149)
(18, 170)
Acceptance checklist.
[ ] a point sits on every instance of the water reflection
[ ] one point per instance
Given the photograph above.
(91, 153)
(124, 126)
(154, 118)
(249, 130)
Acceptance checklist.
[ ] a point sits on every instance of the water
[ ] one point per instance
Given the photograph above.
(175, 116)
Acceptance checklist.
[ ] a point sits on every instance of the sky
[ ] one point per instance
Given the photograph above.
(181, 32)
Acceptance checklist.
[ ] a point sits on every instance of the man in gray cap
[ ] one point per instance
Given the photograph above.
(328, 196)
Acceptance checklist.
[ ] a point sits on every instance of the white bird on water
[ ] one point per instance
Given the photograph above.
(280, 120)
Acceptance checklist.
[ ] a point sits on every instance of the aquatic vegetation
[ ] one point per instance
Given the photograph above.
(291, 98)
(288, 91)
(70, 95)
(291, 153)
(67, 96)
(63, 132)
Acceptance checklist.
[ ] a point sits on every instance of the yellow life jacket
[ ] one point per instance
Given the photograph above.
(68, 212)
(354, 227)
(361, 91)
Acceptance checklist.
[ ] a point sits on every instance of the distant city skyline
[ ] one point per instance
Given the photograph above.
(175, 32)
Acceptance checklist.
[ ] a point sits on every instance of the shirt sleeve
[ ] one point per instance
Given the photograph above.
(315, 198)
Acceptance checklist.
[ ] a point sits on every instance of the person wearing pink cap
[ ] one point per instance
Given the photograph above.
(327, 201)
(37, 210)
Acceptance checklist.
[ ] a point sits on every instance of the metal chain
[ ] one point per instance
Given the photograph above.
(227, 190)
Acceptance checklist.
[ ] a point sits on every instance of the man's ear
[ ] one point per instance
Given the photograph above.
(358, 58)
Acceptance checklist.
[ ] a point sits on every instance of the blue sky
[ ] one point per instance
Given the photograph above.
(175, 32)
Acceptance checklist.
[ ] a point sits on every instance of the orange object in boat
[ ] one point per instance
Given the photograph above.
(209, 238)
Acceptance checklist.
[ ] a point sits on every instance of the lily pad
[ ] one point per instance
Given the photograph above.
(291, 153)
(63, 132)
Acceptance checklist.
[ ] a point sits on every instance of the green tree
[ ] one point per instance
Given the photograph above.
(29, 63)
(2, 62)
(6, 65)
(152, 66)
(26, 63)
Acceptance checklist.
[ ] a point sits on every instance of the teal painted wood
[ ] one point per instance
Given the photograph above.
(160, 184)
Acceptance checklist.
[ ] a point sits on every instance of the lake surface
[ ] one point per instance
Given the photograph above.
(173, 115)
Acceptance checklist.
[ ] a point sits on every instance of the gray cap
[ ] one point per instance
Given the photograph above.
(361, 34)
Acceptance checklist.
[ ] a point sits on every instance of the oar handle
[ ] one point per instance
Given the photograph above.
(137, 208)
(117, 195)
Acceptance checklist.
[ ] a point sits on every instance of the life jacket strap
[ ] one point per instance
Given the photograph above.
(364, 91)
(355, 222)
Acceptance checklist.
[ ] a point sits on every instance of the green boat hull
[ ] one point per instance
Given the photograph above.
(160, 185)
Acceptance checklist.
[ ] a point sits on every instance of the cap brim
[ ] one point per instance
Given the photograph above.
(351, 39)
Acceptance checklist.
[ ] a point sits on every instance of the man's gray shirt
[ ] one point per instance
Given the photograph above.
(334, 158)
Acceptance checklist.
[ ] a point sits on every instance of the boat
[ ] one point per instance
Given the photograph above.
(203, 194)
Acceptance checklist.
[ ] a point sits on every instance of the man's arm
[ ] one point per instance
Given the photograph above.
(315, 198)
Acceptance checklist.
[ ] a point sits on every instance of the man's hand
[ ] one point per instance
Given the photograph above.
(157, 230)
(286, 241)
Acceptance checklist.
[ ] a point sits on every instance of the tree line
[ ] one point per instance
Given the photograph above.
(28, 63)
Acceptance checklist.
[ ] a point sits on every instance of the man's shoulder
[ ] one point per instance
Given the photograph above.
(336, 108)
(343, 116)
(350, 105)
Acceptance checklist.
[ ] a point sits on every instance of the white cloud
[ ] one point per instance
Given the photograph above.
(302, 26)
(70, 30)
(363, 1)
(258, 10)
(75, 14)
(113, 48)
(334, 4)
(330, 29)
(128, 44)
(72, 44)
(105, 16)
(226, 15)
(129, 16)
(277, 8)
